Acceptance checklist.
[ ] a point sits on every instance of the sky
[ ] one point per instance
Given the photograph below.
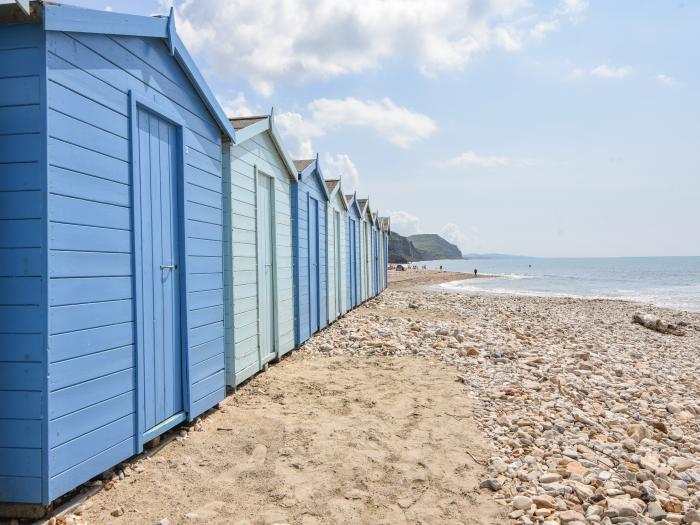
(544, 128)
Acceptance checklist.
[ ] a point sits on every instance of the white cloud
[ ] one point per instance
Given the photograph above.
(465, 241)
(404, 223)
(271, 41)
(341, 167)
(572, 8)
(396, 124)
(540, 30)
(666, 80)
(299, 132)
(605, 71)
(237, 106)
(469, 158)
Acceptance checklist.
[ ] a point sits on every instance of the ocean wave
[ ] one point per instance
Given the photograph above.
(506, 276)
(682, 302)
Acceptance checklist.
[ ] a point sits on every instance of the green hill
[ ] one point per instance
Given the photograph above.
(401, 250)
(431, 247)
(423, 247)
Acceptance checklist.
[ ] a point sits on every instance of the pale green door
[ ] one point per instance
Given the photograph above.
(266, 269)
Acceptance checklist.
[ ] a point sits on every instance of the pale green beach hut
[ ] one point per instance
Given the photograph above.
(366, 277)
(337, 251)
(259, 301)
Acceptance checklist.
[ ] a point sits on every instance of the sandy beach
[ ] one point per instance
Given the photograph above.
(424, 406)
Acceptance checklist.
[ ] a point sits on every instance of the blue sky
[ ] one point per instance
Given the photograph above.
(552, 128)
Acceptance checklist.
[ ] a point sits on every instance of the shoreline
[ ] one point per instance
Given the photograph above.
(435, 281)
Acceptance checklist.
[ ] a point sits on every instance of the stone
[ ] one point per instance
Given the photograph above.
(674, 408)
(117, 512)
(655, 511)
(522, 503)
(569, 516)
(544, 501)
(491, 484)
(692, 516)
(550, 477)
(680, 464)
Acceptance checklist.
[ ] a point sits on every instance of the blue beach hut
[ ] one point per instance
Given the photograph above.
(376, 254)
(111, 270)
(310, 199)
(385, 228)
(352, 234)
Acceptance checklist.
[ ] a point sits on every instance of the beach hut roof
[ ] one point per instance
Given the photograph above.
(363, 204)
(244, 122)
(332, 183)
(306, 167)
(301, 165)
(70, 19)
(336, 186)
(248, 127)
(385, 223)
(351, 201)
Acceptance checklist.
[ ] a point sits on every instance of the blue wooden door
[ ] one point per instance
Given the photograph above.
(266, 301)
(338, 266)
(158, 265)
(375, 236)
(352, 261)
(314, 260)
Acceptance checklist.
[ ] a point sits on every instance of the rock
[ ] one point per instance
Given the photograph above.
(629, 444)
(680, 464)
(623, 507)
(550, 477)
(117, 512)
(544, 501)
(569, 516)
(692, 516)
(521, 503)
(655, 512)
(674, 408)
(491, 484)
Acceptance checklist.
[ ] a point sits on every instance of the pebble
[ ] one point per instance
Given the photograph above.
(593, 419)
(521, 503)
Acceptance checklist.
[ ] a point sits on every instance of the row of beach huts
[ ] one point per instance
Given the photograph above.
(153, 251)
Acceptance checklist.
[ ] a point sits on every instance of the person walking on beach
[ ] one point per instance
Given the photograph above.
(475, 272)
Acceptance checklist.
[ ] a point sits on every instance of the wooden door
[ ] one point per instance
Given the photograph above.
(314, 263)
(158, 267)
(336, 245)
(266, 269)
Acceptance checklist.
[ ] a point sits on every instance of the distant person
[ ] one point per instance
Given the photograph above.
(475, 272)
(441, 267)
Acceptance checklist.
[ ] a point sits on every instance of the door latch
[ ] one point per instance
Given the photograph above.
(168, 266)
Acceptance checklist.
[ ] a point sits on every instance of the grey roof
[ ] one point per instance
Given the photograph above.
(384, 223)
(362, 203)
(301, 165)
(332, 183)
(349, 198)
(244, 122)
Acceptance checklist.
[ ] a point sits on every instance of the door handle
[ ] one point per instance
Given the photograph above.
(168, 266)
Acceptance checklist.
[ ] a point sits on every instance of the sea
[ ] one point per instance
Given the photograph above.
(672, 282)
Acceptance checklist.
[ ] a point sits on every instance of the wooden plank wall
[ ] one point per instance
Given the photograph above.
(309, 185)
(91, 298)
(258, 151)
(22, 263)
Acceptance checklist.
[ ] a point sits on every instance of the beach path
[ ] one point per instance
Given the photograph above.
(318, 440)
